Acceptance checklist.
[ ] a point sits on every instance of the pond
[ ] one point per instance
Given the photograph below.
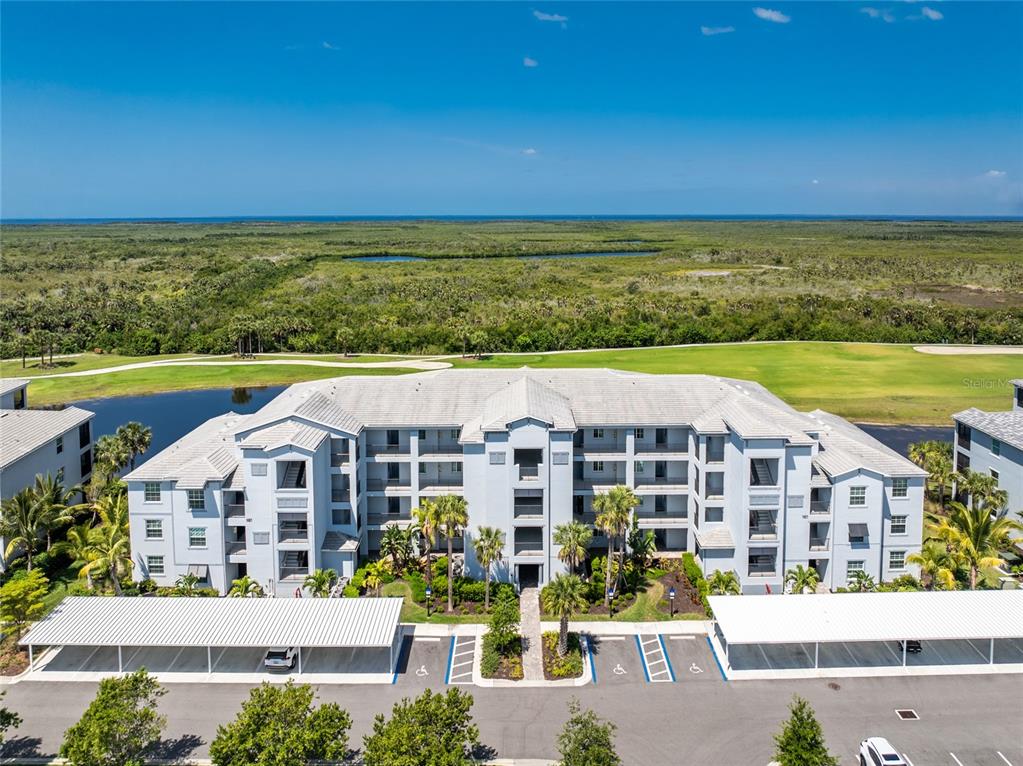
(403, 258)
(172, 415)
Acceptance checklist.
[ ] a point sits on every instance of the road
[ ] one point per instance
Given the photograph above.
(700, 719)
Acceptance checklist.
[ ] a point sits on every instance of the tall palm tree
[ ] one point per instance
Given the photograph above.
(978, 486)
(50, 492)
(489, 547)
(319, 582)
(77, 544)
(724, 583)
(574, 539)
(428, 524)
(112, 508)
(614, 512)
(801, 579)
(394, 543)
(563, 596)
(937, 565)
(22, 524)
(245, 587)
(111, 550)
(942, 474)
(453, 515)
(136, 439)
(111, 453)
(977, 535)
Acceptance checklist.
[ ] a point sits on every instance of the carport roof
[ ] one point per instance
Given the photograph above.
(231, 622)
(921, 615)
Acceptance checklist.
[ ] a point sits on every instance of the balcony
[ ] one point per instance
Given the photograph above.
(440, 452)
(380, 485)
(529, 549)
(439, 484)
(820, 507)
(676, 447)
(662, 519)
(293, 533)
(662, 482)
(389, 519)
(764, 532)
(338, 459)
(294, 573)
(234, 513)
(528, 511)
(235, 548)
(387, 450)
(819, 544)
(761, 571)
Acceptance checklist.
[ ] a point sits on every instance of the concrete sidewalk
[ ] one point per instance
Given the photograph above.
(532, 640)
(594, 628)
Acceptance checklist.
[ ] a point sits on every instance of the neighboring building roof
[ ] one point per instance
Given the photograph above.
(526, 398)
(284, 434)
(921, 615)
(1004, 426)
(233, 622)
(714, 537)
(205, 454)
(11, 384)
(24, 431)
(338, 541)
(845, 448)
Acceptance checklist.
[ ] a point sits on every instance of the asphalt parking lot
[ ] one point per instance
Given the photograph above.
(422, 663)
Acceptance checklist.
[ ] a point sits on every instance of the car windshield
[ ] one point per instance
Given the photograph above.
(892, 758)
(276, 655)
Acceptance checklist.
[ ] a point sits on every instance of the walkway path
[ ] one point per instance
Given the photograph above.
(532, 654)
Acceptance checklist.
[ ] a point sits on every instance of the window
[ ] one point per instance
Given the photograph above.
(84, 435)
(598, 433)
(19, 399)
(857, 495)
(60, 444)
(151, 492)
(660, 503)
(260, 538)
(196, 500)
(639, 466)
(422, 434)
(900, 487)
(394, 505)
(899, 525)
(851, 568)
(85, 463)
(763, 472)
(154, 564)
(259, 469)
(715, 484)
(714, 513)
(454, 434)
(598, 466)
(456, 467)
(896, 559)
(996, 447)
(640, 433)
(197, 537)
(715, 449)
(154, 529)
(559, 458)
(422, 468)
(994, 475)
(496, 458)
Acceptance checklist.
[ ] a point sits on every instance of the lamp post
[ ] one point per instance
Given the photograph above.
(671, 598)
(611, 600)
(429, 599)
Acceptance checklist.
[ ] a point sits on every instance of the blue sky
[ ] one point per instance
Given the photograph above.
(210, 109)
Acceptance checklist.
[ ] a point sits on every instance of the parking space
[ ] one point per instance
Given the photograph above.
(616, 661)
(1006, 754)
(460, 659)
(656, 667)
(691, 659)
(423, 662)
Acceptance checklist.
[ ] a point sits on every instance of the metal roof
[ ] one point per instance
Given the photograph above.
(24, 431)
(232, 622)
(921, 615)
(1004, 426)
(12, 384)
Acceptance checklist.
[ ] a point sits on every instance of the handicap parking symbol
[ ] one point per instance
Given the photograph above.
(694, 668)
(618, 670)
(422, 671)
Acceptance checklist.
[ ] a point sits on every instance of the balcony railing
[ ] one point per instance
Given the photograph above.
(529, 549)
(660, 481)
(440, 451)
(236, 548)
(446, 481)
(763, 532)
(528, 511)
(663, 447)
(820, 506)
(376, 485)
(384, 518)
(338, 459)
(818, 543)
(294, 572)
(529, 472)
(667, 518)
(761, 571)
(293, 535)
(386, 449)
(234, 511)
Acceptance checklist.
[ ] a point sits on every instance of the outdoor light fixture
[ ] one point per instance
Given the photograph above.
(429, 598)
(671, 598)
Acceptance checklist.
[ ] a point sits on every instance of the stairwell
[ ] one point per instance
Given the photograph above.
(529, 624)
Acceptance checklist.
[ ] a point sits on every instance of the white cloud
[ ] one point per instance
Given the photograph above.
(767, 14)
(529, 151)
(930, 13)
(815, 182)
(711, 31)
(878, 13)
(528, 62)
(329, 46)
(995, 174)
(556, 17)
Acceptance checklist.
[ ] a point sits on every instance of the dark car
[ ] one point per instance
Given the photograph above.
(911, 646)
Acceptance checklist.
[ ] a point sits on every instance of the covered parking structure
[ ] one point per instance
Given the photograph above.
(867, 633)
(349, 636)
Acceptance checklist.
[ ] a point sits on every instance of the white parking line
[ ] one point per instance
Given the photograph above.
(1008, 763)
(956, 759)
(681, 638)
(426, 638)
(906, 759)
(611, 638)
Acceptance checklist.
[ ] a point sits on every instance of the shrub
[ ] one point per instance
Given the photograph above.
(440, 569)
(350, 591)
(490, 659)
(569, 666)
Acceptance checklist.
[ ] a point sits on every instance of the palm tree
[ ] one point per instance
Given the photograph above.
(942, 474)
(111, 551)
(77, 544)
(374, 577)
(186, 585)
(937, 565)
(394, 544)
(724, 583)
(563, 596)
(319, 582)
(574, 539)
(136, 439)
(976, 535)
(861, 582)
(245, 587)
(802, 579)
(24, 519)
(453, 515)
(427, 522)
(112, 508)
(614, 511)
(489, 547)
(49, 491)
(111, 453)
(642, 545)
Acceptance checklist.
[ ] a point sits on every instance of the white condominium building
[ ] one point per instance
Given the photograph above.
(723, 468)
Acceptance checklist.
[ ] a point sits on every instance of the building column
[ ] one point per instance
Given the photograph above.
(209, 660)
(816, 654)
(300, 660)
(991, 653)
(31, 659)
(120, 664)
(904, 643)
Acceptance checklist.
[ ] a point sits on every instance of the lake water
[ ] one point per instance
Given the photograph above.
(397, 258)
(174, 414)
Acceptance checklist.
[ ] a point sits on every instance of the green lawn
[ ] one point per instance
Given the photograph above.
(156, 379)
(413, 612)
(11, 368)
(859, 381)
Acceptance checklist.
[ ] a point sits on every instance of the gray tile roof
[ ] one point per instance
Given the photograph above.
(10, 384)
(714, 537)
(526, 398)
(205, 454)
(845, 448)
(1004, 426)
(24, 431)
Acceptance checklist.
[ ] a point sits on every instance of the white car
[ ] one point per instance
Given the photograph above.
(877, 751)
(280, 659)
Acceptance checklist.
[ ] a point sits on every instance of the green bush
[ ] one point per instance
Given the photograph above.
(350, 591)
(490, 659)
(569, 666)
(440, 568)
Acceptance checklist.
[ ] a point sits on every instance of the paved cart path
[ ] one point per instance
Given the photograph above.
(532, 655)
